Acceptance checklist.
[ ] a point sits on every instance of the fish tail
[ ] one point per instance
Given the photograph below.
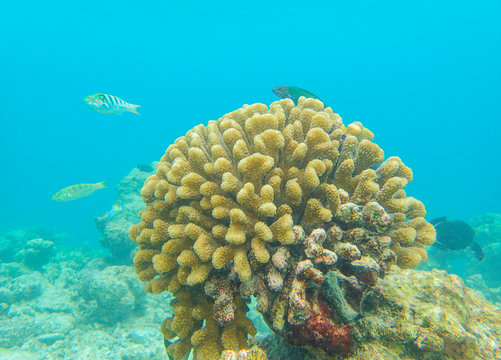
(133, 109)
(478, 251)
(101, 184)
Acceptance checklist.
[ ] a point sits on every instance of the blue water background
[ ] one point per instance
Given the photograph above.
(423, 76)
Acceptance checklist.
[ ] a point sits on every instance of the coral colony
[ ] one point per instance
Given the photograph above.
(282, 204)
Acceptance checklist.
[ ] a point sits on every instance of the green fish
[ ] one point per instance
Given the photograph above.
(78, 191)
(293, 93)
(109, 104)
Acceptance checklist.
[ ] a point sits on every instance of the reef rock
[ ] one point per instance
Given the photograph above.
(112, 293)
(487, 228)
(32, 246)
(71, 310)
(36, 253)
(415, 315)
(114, 225)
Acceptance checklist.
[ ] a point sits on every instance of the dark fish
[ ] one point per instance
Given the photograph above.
(456, 235)
(478, 251)
(166, 345)
(145, 168)
(293, 93)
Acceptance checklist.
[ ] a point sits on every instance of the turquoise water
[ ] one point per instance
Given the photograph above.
(424, 77)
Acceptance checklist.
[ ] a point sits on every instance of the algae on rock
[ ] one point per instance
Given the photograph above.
(415, 315)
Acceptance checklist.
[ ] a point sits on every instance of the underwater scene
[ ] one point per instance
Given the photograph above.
(226, 180)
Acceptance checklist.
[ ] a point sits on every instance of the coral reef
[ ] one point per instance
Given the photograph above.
(482, 276)
(36, 253)
(448, 320)
(114, 225)
(414, 315)
(489, 268)
(487, 228)
(491, 293)
(24, 286)
(253, 354)
(70, 310)
(111, 292)
(280, 203)
(33, 246)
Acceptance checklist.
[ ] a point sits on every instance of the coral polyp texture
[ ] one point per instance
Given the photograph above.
(283, 204)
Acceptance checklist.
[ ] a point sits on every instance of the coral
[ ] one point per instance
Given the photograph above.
(448, 321)
(413, 315)
(487, 228)
(14, 245)
(319, 330)
(253, 354)
(222, 293)
(24, 287)
(42, 314)
(114, 225)
(111, 293)
(492, 294)
(267, 202)
(36, 253)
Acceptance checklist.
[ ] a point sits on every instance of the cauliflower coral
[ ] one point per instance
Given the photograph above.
(282, 203)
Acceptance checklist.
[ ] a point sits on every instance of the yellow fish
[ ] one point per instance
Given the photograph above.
(78, 191)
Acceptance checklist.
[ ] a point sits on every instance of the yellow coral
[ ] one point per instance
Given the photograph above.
(163, 262)
(409, 257)
(425, 232)
(404, 235)
(226, 194)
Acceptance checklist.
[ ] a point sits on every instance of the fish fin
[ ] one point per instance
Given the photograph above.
(441, 246)
(133, 109)
(102, 184)
(438, 220)
(478, 251)
(166, 345)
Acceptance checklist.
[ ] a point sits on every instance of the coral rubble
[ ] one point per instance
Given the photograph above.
(279, 203)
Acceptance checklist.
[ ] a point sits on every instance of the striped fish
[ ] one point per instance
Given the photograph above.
(109, 104)
(78, 191)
